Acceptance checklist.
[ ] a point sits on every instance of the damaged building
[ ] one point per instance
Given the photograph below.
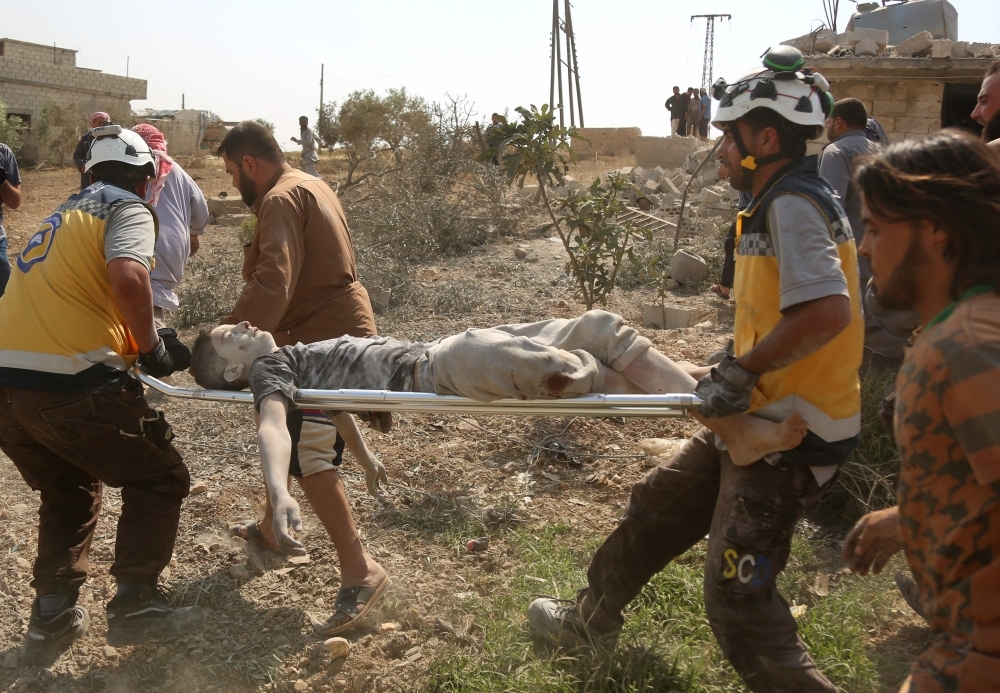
(906, 64)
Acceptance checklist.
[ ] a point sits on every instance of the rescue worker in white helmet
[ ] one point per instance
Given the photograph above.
(77, 315)
(798, 345)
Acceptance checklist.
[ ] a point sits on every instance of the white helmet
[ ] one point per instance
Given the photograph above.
(796, 93)
(113, 143)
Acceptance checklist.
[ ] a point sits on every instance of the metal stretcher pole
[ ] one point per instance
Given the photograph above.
(386, 400)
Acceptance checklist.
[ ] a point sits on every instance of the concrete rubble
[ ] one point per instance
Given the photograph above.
(872, 43)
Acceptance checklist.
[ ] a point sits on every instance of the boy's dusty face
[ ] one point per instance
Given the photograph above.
(241, 344)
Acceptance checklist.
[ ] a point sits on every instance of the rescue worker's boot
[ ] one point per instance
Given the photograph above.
(56, 622)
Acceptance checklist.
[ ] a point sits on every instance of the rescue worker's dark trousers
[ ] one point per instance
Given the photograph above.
(66, 446)
(749, 513)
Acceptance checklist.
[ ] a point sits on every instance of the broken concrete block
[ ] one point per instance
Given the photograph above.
(709, 196)
(959, 49)
(687, 267)
(637, 174)
(625, 172)
(571, 183)
(866, 48)
(649, 187)
(845, 39)
(879, 36)
(917, 46)
(941, 48)
(678, 318)
(667, 187)
(821, 42)
(980, 50)
(221, 206)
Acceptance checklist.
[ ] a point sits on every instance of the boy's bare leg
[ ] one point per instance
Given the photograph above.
(326, 494)
(747, 438)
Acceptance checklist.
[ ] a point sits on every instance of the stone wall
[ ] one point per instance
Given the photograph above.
(906, 109)
(28, 85)
(183, 131)
(35, 51)
(666, 152)
(606, 141)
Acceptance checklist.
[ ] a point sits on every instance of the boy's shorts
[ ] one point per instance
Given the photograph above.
(316, 444)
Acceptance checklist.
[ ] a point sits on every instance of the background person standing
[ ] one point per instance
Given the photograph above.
(309, 145)
(693, 111)
(83, 146)
(183, 213)
(10, 195)
(706, 115)
(675, 107)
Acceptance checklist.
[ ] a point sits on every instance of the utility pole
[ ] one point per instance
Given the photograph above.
(319, 123)
(706, 69)
(564, 24)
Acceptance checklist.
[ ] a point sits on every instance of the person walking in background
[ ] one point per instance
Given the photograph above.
(309, 145)
(10, 195)
(676, 108)
(693, 111)
(725, 286)
(183, 213)
(706, 115)
(83, 146)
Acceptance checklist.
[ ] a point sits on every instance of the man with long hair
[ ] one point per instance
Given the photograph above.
(932, 212)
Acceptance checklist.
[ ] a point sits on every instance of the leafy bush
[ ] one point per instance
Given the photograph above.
(266, 124)
(868, 479)
(10, 130)
(537, 148)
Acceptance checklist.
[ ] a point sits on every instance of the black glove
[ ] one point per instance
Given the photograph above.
(3, 175)
(177, 349)
(158, 362)
(725, 391)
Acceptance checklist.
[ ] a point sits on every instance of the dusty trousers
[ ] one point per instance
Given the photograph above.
(66, 447)
(750, 514)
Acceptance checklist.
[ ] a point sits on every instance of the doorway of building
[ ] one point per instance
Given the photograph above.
(957, 105)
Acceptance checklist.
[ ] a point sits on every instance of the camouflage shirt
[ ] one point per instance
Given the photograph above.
(947, 426)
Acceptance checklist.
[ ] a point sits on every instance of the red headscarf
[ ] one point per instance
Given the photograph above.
(162, 161)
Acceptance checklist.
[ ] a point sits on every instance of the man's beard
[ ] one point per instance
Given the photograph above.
(738, 179)
(992, 130)
(247, 188)
(900, 292)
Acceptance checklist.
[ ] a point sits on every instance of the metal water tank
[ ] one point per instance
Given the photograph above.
(909, 18)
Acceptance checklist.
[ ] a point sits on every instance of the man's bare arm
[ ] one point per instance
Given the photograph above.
(134, 298)
(803, 330)
(10, 194)
(275, 446)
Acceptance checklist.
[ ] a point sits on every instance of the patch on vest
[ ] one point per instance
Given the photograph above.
(842, 231)
(40, 244)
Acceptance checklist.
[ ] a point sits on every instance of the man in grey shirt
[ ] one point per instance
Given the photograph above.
(846, 130)
(309, 144)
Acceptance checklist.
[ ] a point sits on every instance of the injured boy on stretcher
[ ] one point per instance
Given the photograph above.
(595, 353)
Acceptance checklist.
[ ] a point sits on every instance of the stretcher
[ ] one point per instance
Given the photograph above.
(387, 400)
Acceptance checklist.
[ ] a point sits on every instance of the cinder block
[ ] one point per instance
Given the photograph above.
(686, 267)
(976, 49)
(668, 317)
(708, 196)
(637, 174)
(917, 46)
(667, 187)
(959, 49)
(649, 187)
(879, 36)
(941, 48)
(866, 48)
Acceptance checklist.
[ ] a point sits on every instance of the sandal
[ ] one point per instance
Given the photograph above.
(347, 604)
(248, 531)
(717, 288)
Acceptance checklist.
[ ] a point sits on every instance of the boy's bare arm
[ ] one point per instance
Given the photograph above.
(275, 446)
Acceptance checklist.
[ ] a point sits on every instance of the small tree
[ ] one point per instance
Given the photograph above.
(538, 148)
(10, 130)
(266, 124)
(60, 129)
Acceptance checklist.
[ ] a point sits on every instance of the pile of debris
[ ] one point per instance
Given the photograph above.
(870, 43)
